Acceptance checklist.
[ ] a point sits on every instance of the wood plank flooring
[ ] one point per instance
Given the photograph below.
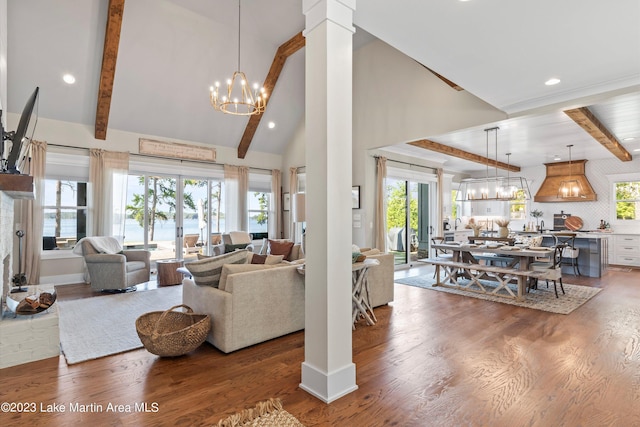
(433, 359)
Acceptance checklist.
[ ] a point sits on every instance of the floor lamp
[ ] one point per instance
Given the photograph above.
(299, 213)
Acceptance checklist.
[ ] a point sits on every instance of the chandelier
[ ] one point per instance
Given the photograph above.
(493, 187)
(238, 99)
(570, 188)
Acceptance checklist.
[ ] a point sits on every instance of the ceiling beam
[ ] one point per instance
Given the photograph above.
(461, 154)
(285, 50)
(108, 71)
(444, 79)
(590, 123)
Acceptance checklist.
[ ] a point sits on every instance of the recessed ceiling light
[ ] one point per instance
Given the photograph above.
(630, 138)
(551, 82)
(637, 149)
(556, 158)
(271, 125)
(69, 79)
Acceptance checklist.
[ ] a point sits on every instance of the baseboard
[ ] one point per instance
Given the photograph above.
(62, 279)
(328, 387)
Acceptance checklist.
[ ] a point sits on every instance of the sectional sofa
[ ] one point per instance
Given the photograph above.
(256, 303)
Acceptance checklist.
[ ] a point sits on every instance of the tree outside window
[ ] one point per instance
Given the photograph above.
(627, 200)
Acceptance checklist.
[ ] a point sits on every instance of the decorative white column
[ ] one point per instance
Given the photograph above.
(328, 371)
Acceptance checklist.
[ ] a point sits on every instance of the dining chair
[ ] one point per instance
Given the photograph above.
(570, 253)
(551, 270)
(441, 254)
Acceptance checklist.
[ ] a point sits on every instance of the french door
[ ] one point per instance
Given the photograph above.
(409, 212)
(171, 215)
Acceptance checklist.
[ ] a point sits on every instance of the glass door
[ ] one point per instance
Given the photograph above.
(408, 221)
(195, 217)
(397, 219)
(151, 216)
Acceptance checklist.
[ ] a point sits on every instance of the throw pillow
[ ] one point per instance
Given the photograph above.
(266, 259)
(279, 247)
(258, 259)
(207, 272)
(231, 248)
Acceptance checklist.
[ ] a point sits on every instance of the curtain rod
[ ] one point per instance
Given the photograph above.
(410, 164)
(158, 157)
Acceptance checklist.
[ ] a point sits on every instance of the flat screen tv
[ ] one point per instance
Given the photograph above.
(25, 130)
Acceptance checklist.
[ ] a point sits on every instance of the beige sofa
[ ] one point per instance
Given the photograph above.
(265, 303)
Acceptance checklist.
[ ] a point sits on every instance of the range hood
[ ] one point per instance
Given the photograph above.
(564, 171)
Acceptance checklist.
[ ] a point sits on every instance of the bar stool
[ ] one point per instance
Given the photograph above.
(569, 253)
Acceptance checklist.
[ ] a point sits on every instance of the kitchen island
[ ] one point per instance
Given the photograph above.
(593, 255)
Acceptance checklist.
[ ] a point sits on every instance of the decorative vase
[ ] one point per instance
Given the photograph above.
(503, 232)
(476, 232)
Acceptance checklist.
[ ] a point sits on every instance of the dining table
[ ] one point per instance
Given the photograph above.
(518, 258)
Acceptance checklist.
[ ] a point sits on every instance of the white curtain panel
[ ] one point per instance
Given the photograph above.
(293, 189)
(380, 236)
(275, 207)
(108, 172)
(236, 184)
(32, 214)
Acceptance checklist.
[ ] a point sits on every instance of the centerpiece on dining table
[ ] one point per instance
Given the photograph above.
(503, 230)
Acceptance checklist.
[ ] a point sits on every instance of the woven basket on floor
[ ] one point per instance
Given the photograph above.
(172, 333)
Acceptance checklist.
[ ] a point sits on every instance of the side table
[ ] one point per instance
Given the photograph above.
(168, 272)
(361, 301)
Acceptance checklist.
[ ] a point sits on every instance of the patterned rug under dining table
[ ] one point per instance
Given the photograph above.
(464, 263)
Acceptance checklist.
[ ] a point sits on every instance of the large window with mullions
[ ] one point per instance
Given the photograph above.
(627, 200)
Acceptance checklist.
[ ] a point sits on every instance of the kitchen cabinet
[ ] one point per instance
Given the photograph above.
(488, 208)
(462, 235)
(626, 250)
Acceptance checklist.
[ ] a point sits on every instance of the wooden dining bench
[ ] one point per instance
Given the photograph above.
(473, 272)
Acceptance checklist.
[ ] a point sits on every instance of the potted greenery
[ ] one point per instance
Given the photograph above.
(536, 214)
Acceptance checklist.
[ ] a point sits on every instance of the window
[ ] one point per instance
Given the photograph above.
(454, 205)
(627, 200)
(65, 213)
(258, 203)
(517, 209)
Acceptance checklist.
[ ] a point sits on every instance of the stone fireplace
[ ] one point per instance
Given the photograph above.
(22, 338)
(6, 241)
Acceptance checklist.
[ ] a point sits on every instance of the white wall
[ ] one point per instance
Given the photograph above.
(3, 59)
(389, 110)
(77, 135)
(397, 100)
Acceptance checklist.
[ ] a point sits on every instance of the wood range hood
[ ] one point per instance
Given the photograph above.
(563, 171)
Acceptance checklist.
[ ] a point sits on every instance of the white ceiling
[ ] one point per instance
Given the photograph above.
(502, 51)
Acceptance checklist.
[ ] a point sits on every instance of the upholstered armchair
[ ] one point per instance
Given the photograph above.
(117, 270)
(234, 240)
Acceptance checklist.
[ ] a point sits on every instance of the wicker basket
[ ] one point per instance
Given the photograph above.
(172, 333)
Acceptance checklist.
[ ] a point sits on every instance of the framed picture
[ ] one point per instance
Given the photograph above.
(355, 197)
(286, 202)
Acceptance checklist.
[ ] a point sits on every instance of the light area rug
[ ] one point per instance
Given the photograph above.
(265, 414)
(95, 327)
(538, 299)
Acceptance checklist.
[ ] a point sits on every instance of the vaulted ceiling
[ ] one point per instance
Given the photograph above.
(171, 51)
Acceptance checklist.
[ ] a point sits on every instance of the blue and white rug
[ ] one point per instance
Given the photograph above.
(538, 299)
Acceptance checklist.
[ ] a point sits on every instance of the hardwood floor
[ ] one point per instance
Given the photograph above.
(433, 359)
